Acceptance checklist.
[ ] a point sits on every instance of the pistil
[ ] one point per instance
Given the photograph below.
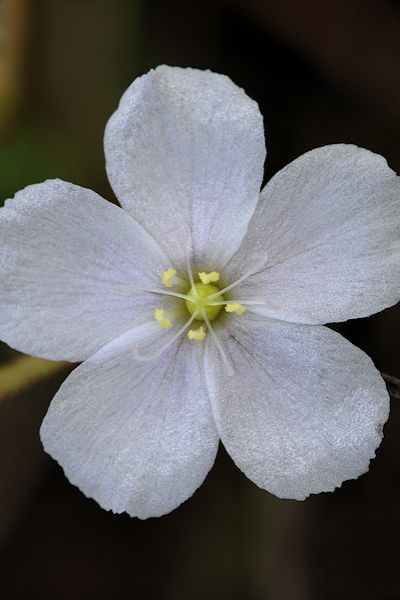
(198, 301)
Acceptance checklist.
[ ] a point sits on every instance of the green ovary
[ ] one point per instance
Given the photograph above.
(200, 293)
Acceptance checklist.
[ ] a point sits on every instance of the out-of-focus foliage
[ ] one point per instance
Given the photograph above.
(24, 372)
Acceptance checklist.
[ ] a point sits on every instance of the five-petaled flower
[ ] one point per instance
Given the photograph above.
(198, 310)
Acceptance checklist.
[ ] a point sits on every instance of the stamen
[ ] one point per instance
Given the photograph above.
(250, 272)
(207, 278)
(168, 277)
(239, 309)
(248, 302)
(190, 273)
(197, 334)
(270, 305)
(161, 317)
(165, 346)
(130, 288)
(227, 366)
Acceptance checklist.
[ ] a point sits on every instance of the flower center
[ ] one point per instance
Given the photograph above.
(199, 302)
(204, 301)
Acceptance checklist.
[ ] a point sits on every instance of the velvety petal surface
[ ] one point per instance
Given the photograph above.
(325, 238)
(135, 436)
(185, 153)
(68, 260)
(304, 410)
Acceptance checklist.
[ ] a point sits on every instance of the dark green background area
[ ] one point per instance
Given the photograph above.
(322, 72)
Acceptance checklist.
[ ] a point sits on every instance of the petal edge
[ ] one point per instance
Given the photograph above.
(305, 410)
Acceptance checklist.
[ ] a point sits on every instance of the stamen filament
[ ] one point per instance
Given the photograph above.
(165, 346)
(166, 293)
(240, 280)
(229, 287)
(227, 366)
(249, 302)
(190, 273)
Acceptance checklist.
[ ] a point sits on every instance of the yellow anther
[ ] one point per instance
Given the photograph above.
(168, 277)
(207, 278)
(159, 315)
(235, 307)
(197, 334)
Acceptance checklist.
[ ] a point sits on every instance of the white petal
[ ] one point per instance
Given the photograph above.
(185, 153)
(303, 412)
(66, 259)
(328, 227)
(135, 436)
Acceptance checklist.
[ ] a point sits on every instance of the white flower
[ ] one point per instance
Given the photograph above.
(137, 425)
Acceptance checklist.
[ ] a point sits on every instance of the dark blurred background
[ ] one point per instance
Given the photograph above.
(322, 72)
